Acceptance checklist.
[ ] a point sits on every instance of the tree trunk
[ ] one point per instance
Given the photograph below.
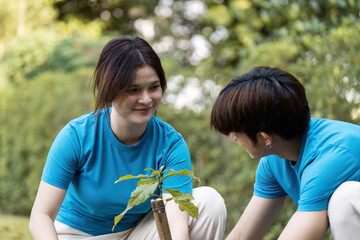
(162, 224)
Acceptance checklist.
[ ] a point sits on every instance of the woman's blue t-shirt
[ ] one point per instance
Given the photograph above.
(329, 156)
(86, 159)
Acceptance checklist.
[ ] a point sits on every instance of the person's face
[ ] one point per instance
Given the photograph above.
(139, 103)
(255, 150)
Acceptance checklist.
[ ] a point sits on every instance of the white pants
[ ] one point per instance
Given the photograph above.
(210, 224)
(344, 211)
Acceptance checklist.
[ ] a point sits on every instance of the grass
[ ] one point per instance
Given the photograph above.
(14, 227)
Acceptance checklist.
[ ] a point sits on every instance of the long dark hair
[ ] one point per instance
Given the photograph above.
(117, 65)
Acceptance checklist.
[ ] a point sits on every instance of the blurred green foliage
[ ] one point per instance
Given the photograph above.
(14, 227)
(19, 16)
(47, 62)
(38, 101)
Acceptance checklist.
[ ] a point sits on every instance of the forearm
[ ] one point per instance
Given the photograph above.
(306, 226)
(179, 231)
(42, 227)
(44, 211)
(178, 220)
(236, 234)
(256, 219)
(243, 231)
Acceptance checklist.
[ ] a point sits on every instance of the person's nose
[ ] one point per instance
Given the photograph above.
(145, 98)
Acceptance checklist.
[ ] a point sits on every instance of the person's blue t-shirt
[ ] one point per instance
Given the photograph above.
(329, 156)
(86, 159)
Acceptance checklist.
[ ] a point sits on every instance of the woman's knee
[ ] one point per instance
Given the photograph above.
(210, 201)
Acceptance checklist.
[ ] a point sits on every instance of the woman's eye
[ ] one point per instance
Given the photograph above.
(133, 90)
(154, 87)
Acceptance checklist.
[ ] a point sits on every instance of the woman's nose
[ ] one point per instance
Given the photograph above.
(145, 98)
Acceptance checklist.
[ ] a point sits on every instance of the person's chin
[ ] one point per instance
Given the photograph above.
(254, 156)
(143, 119)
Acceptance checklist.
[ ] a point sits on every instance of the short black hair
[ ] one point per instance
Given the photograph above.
(265, 99)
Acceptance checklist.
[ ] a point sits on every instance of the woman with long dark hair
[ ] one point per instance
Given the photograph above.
(77, 197)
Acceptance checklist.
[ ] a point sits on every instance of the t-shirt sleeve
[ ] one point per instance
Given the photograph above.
(62, 160)
(321, 178)
(178, 158)
(266, 185)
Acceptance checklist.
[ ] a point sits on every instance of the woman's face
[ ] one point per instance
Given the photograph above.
(139, 103)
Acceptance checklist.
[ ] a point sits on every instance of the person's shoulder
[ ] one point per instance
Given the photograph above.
(83, 118)
(89, 118)
(165, 128)
(272, 166)
(86, 123)
(328, 135)
(162, 124)
(333, 129)
(272, 161)
(334, 124)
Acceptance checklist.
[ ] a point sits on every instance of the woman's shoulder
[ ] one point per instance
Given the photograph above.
(86, 125)
(164, 128)
(89, 119)
(162, 124)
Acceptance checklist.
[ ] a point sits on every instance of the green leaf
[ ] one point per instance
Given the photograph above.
(184, 197)
(147, 186)
(181, 172)
(132, 177)
(186, 205)
(138, 196)
(119, 217)
(142, 193)
(149, 169)
(153, 172)
(197, 180)
(183, 200)
(146, 181)
(174, 192)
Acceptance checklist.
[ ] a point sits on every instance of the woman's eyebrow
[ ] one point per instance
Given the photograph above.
(154, 82)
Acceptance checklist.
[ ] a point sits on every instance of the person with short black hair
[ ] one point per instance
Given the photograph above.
(77, 197)
(316, 162)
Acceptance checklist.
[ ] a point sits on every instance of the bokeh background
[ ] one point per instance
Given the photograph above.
(48, 50)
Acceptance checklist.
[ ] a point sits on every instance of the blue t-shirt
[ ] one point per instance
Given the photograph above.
(329, 156)
(86, 159)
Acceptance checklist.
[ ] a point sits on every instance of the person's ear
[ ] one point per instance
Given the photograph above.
(267, 138)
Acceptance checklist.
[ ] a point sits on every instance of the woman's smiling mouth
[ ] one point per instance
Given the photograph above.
(143, 110)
